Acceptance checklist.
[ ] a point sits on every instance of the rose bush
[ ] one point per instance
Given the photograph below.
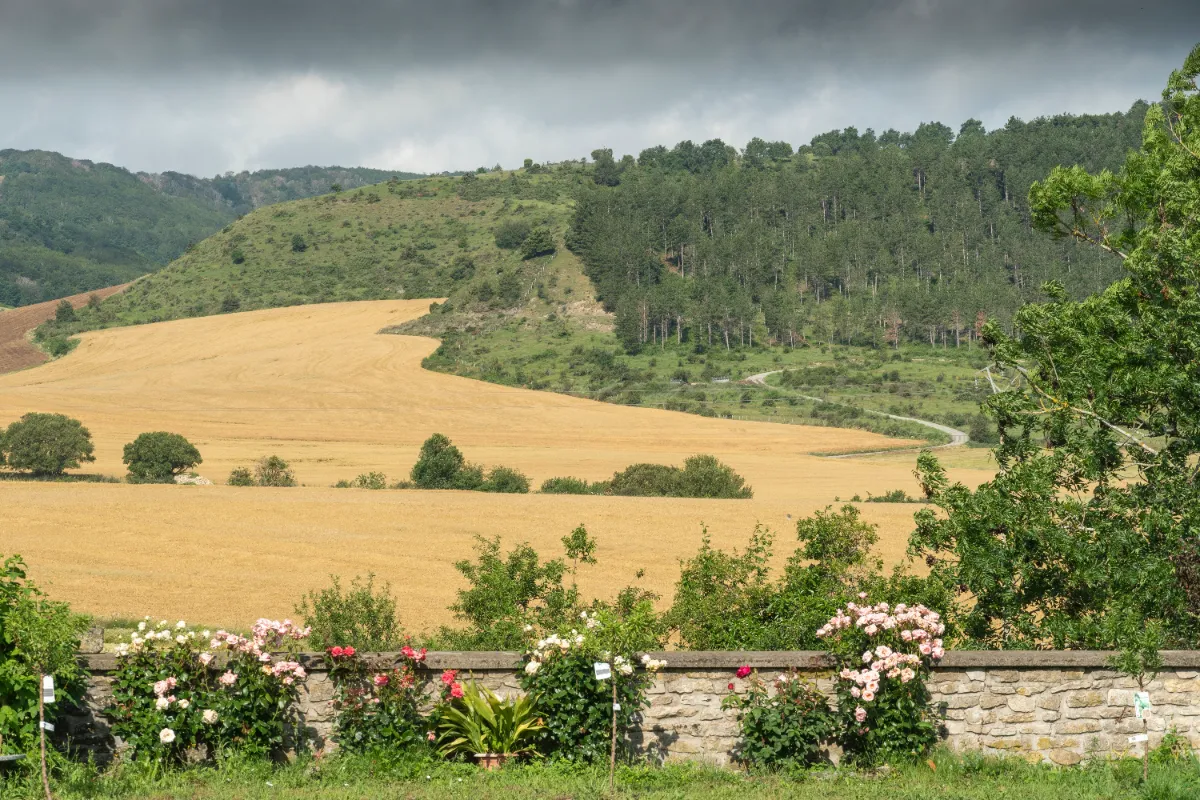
(578, 708)
(783, 725)
(379, 709)
(884, 655)
(177, 689)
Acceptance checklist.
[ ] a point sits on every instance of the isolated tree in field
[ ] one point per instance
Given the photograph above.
(64, 312)
(439, 465)
(159, 456)
(298, 244)
(46, 444)
(1093, 519)
(511, 234)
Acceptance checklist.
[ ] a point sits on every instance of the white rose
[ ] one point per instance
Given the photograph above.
(181, 639)
(166, 736)
(184, 703)
(180, 625)
(162, 703)
(209, 717)
(141, 626)
(532, 667)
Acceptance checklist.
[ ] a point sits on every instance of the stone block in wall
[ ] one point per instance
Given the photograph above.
(1085, 699)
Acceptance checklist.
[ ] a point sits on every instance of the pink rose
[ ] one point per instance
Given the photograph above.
(744, 671)
(336, 652)
(456, 690)
(448, 676)
(381, 680)
(348, 651)
(860, 714)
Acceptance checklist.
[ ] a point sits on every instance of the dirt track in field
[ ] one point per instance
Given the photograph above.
(317, 386)
(16, 352)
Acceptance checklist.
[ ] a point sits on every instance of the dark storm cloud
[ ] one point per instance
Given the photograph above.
(209, 85)
(352, 35)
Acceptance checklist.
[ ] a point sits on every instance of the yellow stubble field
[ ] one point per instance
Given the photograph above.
(318, 386)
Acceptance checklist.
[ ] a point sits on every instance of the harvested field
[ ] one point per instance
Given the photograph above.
(317, 386)
(16, 352)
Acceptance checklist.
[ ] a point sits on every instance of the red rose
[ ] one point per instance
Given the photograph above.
(456, 690)
(731, 686)
(336, 652)
(349, 651)
(448, 676)
(744, 671)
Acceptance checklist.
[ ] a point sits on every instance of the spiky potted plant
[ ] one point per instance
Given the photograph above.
(481, 726)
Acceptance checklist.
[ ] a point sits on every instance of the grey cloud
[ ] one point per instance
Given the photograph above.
(209, 85)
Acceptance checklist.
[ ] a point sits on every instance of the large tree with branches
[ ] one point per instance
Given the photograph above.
(1088, 535)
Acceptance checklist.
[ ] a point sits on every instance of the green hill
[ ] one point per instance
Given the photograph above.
(859, 264)
(69, 226)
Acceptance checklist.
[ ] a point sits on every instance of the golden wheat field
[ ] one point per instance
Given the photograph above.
(318, 386)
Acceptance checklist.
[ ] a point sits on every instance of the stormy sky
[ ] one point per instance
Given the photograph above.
(205, 86)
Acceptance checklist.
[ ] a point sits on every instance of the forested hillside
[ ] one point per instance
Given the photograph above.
(855, 238)
(70, 226)
(242, 192)
(719, 265)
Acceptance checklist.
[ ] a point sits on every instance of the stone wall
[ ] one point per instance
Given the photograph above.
(1060, 706)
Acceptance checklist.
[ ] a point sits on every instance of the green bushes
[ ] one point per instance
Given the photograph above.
(268, 471)
(701, 476)
(361, 615)
(568, 486)
(365, 480)
(505, 480)
(511, 234)
(781, 729)
(46, 444)
(441, 465)
(37, 636)
(159, 456)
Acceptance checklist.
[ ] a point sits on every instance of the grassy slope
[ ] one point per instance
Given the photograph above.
(434, 238)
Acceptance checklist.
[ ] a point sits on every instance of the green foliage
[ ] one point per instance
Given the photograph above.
(665, 248)
(539, 242)
(701, 476)
(168, 698)
(365, 480)
(507, 592)
(241, 476)
(46, 444)
(361, 615)
(893, 496)
(505, 480)
(378, 710)
(439, 466)
(273, 471)
(298, 244)
(730, 601)
(566, 486)
(511, 234)
(480, 722)
(37, 636)
(159, 456)
(578, 708)
(781, 729)
(64, 312)
(1086, 537)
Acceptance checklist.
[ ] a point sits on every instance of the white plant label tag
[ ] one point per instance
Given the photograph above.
(1139, 737)
(603, 670)
(1141, 704)
(46, 726)
(47, 688)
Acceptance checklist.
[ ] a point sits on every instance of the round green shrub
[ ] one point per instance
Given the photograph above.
(158, 456)
(46, 444)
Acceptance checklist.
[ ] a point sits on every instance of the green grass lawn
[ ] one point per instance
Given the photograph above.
(965, 778)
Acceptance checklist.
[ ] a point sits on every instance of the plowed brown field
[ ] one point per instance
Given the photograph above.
(15, 350)
(316, 385)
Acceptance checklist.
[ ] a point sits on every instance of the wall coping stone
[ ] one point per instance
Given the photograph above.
(732, 659)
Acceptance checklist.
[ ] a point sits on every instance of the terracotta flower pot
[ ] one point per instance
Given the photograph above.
(490, 761)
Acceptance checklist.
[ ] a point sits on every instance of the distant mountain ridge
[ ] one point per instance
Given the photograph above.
(72, 225)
